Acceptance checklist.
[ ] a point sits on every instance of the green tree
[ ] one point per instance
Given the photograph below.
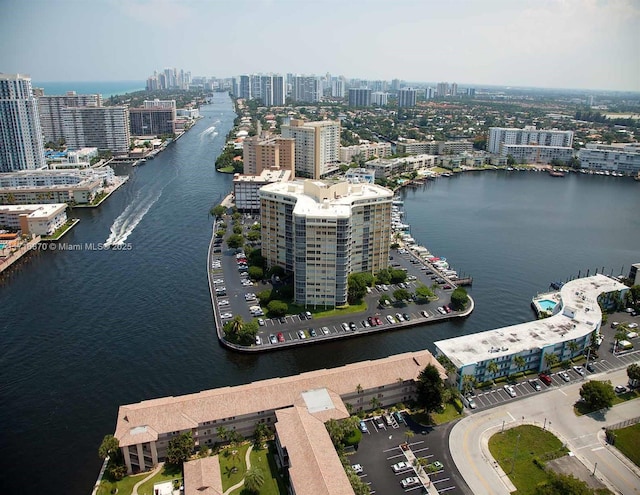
(511, 161)
(277, 308)
(633, 372)
(235, 241)
(401, 295)
(561, 484)
(108, 447)
(423, 293)
(459, 299)
(264, 296)
(261, 433)
(573, 347)
(493, 368)
(519, 361)
(357, 286)
(222, 433)
(218, 211)
(254, 479)
(429, 388)
(468, 383)
(597, 394)
(179, 449)
(255, 273)
(550, 359)
(253, 235)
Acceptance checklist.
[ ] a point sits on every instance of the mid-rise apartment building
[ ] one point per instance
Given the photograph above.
(434, 147)
(317, 146)
(42, 219)
(157, 103)
(337, 88)
(268, 152)
(50, 108)
(246, 187)
(531, 153)
(386, 167)
(367, 151)
(152, 121)
(527, 136)
(565, 334)
(21, 145)
(359, 97)
(323, 232)
(619, 157)
(379, 98)
(105, 128)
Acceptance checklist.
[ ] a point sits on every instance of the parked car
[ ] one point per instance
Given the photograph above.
(510, 390)
(544, 378)
(535, 384)
(280, 337)
(363, 427)
(312, 332)
(579, 370)
(565, 376)
(424, 313)
(390, 319)
(441, 310)
(378, 422)
(258, 340)
(260, 322)
(325, 330)
(378, 321)
(273, 339)
(436, 465)
(590, 368)
(301, 334)
(620, 389)
(406, 316)
(308, 315)
(410, 481)
(400, 466)
(357, 468)
(352, 326)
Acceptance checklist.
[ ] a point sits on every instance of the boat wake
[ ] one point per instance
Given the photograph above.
(209, 132)
(129, 219)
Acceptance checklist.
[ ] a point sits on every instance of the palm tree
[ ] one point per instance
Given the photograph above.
(468, 383)
(550, 359)
(236, 325)
(358, 388)
(493, 368)
(519, 361)
(375, 403)
(254, 479)
(222, 433)
(573, 347)
(408, 435)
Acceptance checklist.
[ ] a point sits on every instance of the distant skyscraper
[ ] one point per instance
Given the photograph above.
(442, 89)
(471, 92)
(306, 89)
(278, 90)
(379, 98)
(50, 109)
(245, 87)
(395, 84)
(428, 93)
(407, 97)
(337, 88)
(360, 97)
(21, 146)
(454, 89)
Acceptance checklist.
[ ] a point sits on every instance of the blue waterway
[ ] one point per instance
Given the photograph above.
(83, 332)
(105, 88)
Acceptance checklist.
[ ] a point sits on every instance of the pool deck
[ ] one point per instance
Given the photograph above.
(549, 296)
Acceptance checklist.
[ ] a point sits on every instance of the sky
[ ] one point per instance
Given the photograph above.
(584, 44)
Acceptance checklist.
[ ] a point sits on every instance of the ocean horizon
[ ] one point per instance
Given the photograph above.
(105, 88)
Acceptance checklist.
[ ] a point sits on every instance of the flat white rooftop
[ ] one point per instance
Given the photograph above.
(578, 315)
(34, 211)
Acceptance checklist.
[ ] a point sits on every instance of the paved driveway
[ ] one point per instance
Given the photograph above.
(552, 410)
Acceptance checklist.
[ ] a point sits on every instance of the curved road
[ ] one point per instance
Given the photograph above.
(553, 410)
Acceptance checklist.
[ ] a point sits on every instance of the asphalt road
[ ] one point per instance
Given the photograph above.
(551, 409)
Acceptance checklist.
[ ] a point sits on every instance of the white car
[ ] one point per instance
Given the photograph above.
(424, 313)
(441, 310)
(579, 370)
(223, 302)
(357, 468)
(226, 316)
(401, 466)
(258, 340)
(301, 334)
(218, 281)
(390, 319)
(510, 390)
(565, 376)
(410, 481)
(632, 325)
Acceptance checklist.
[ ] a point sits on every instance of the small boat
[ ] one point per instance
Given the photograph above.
(556, 173)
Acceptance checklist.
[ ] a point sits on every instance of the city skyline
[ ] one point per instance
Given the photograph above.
(546, 44)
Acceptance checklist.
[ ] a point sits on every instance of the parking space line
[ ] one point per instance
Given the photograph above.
(442, 490)
(440, 481)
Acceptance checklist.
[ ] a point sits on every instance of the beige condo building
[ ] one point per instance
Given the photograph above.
(317, 147)
(268, 152)
(322, 232)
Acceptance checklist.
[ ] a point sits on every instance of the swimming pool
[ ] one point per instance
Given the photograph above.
(547, 304)
(2, 245)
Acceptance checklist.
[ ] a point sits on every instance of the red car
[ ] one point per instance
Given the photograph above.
(544, 378)
(447, 309)
(371, 321)
(378, 321)
(280, 337)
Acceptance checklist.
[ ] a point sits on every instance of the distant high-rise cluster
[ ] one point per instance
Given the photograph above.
(407, 97)
(21, 145)
(269, 88)
(169, 79)
(359, 97)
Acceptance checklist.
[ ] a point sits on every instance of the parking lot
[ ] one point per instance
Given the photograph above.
(608, 362)
(379, 451)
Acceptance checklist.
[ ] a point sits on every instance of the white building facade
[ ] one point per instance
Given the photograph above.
(619, 157)
(33, 219)
(323, 232)
(527, 136)
(317, 147)
(21, 144)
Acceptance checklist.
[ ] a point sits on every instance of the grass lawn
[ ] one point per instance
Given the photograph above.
(527, 442)
(580, 408)
(226, 170)
(232, 467)
(627, 441)
(125, 485)
(449, 414)
(167, 473)
(345, 310)
(264, 459)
